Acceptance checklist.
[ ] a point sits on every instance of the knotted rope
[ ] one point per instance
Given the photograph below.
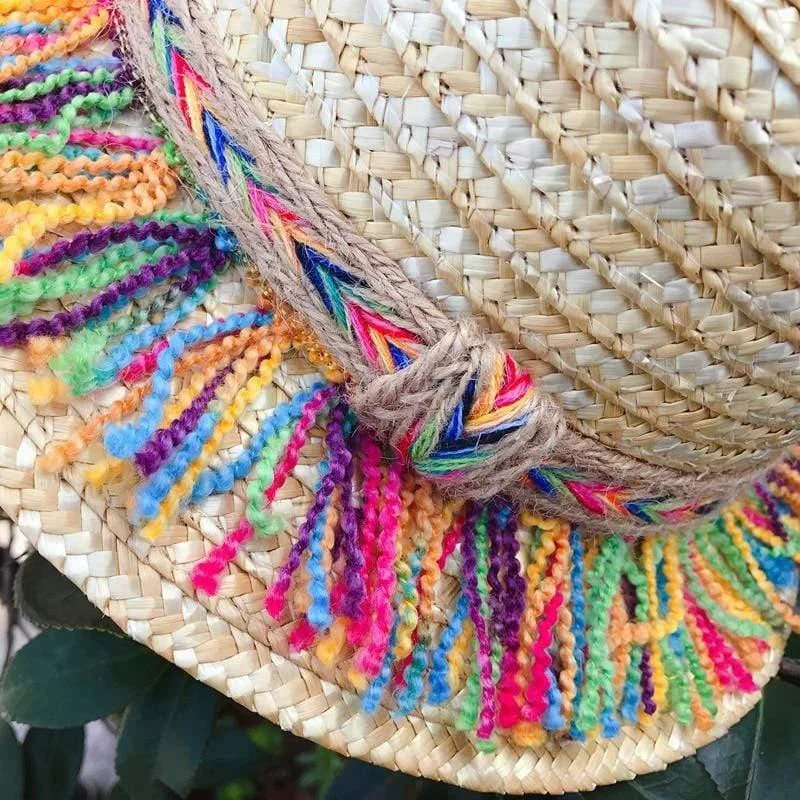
(420, 409)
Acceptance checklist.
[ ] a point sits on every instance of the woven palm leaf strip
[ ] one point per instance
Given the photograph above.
(554, 631)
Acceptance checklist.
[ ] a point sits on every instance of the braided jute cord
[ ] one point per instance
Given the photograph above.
(414, 374)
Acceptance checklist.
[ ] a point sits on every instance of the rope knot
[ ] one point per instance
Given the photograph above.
(463, 413)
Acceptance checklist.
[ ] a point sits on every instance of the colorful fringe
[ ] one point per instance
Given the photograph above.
(532, 627)
(590, 634)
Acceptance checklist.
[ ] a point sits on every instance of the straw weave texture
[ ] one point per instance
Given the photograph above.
(674, 341)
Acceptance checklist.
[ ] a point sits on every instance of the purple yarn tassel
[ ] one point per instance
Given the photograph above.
(355, 591)
(30, 112)
(648, 690)
(332, 478)
(92, 242)
(155, 452)
(208, 261)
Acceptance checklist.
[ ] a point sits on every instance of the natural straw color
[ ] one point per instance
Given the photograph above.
(518, 450)
(317, 82)
(228, 642)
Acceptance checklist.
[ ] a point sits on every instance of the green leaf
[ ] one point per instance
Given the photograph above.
(322, 767)
(50, 600)
(755, 760)
(267, 737)
(156, 791)
(685, 780)
(727, 760)
(773, 760)
(430, 790)
(792, 649)
(52, 763)
(237, 790)
(164, 733)
(358, 780)
(10, 763)
(230, 755)
(65, 678)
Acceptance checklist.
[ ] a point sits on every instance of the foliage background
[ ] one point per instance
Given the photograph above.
(177, 738)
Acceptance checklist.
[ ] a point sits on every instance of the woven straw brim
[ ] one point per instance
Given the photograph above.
(674, 341)
(229, 643)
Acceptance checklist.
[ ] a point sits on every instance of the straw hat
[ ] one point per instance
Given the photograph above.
(617, 214)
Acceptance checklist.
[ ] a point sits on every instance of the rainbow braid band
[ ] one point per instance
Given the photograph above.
(523, 626)
(492, 405)
(477, 420)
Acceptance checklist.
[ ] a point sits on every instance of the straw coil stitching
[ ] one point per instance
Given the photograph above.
(537, 204)
(371, 206)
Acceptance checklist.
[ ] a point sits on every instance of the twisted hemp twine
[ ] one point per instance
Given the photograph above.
(390, 403)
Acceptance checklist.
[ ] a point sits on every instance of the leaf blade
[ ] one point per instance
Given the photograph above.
(229, 755)
(10, 762)
(52, 762)
(727, 759)
(164, 733)
(360, 780)
(48, 599)
(755, 760)
(776, 748)
(96, 674)
(684, 780)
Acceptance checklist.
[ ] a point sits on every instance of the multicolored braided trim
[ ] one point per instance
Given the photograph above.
(525, 626)
(493, 402)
